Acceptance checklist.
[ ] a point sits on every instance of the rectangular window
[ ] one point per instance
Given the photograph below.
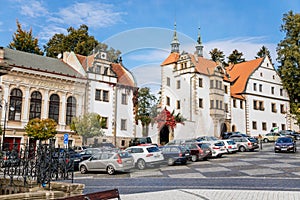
(98, 95)
(178, 104)
(211, 103)
(221, 105)
(200, 82)
(226, 107)
(200, 103)
(124, 99)
(254, 125)
(105, 96)
(211, 83)
(274, 125)
(261, 106)
(168, 81)
(123, 124)
(217, 104)
(104, 122)
(272, 90)
(168, 101)
(178, 84)
(281, 92)
(254, 86)
(264, 126)
(220, 84)
(282, 126)
(260, 87)
(234, 103)
(241, 104)
(273, 107)
(217, 84)
(226, 89)
(255, 105)
(282, 110)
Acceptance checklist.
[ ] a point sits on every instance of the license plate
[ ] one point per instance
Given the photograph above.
(284, 149)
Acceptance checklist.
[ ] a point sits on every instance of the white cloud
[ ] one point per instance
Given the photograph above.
(96, 15)
(33, 9)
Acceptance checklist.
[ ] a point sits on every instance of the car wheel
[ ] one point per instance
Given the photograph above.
(110, 170)
(170, 161)
(141, 164)
(194, 158)
(242, 149)
(266, 140)
(83, 169)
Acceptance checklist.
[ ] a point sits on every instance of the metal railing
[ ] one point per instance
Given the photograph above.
(42, 163)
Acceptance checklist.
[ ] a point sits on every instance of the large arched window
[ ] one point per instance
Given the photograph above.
(35, 105)
(71, 109)
(16, 103)
(54, 107)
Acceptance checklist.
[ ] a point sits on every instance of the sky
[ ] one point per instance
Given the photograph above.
(143, 30)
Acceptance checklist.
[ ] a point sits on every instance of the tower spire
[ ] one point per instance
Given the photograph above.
(175, 43)
(199, 46)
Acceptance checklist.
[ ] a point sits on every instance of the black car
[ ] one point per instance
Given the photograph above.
(285, 144)
(174, 154)
(290, 133)
(68, 157)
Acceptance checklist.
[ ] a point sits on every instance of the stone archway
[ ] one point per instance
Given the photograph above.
(223, 129)
(164, 135)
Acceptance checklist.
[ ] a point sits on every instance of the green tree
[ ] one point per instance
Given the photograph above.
(88, 126)
(112, 54)
(41, 129)
(236, 57)
(264, 51)
(146, 104)
(77, 40)
(289, 60)
(217, 55)
(24, 41)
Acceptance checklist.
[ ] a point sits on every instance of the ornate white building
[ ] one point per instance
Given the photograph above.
(246, 97)
(43, 87)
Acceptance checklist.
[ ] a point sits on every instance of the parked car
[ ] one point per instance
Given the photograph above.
(286, 144)
(206, 138)
(227, 135)
(230, 146)
(238, 135)
(244, 144)
(175, 154)
(270, 137)
(68, 156)
(217, 148)
(108, 161)
(290, 133)
(196, 152)
(140, 140)
(146, 155)
(180, 141)
(88, 152)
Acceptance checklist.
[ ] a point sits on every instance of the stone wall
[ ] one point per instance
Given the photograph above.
(32, 191)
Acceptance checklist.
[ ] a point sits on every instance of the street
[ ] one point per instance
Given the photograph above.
(258, 170)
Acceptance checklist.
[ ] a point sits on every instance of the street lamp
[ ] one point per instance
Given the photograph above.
(5, 104)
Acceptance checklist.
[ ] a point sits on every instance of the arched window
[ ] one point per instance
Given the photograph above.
(54, 107)
(16, 103)
(71, 109)
(35, 105)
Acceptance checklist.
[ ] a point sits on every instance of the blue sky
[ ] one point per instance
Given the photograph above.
(143, 30)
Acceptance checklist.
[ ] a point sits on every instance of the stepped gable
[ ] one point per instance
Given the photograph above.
(239, 75)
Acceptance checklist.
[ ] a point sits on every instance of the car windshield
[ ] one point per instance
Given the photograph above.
(284, 140)
(203, 146)
(153, 149)
(219, 144)
(124, 154)
(230, 142)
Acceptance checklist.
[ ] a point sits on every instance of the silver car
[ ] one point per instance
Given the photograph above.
(110, 161)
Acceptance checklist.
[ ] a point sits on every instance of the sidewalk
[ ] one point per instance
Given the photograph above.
(202, 194)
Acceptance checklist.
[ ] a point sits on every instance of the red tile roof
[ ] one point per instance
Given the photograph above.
(172, 58)
(124, 76)
(239, 75)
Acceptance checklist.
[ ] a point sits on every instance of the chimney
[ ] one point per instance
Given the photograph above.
(1, 53)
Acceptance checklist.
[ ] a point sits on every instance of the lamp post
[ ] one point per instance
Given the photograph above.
(5, 104)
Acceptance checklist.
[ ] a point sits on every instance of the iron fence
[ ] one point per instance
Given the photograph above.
(42, 163)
